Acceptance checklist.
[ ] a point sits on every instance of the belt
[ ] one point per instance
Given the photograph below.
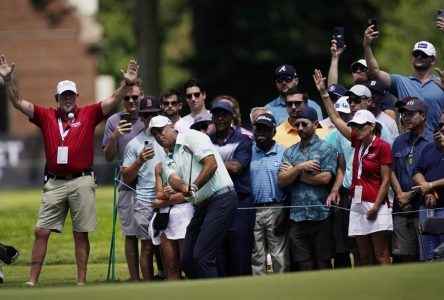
(223, 191)
(85, 172)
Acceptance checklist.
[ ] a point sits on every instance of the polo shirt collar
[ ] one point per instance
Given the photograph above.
(288, 127)
(427, 135)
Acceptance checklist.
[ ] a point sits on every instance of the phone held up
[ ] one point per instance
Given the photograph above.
(441, 13)
(372, 21)
(338, 36)
(126, 117)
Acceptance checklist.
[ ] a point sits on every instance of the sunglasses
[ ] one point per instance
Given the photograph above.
(417, 54)
(172, 103)
(196, 95)
(134, 97)
(304, 124)
(287, 79)
(202, 126)
(295, 103)
(147, 115)
(355, 69)
(355, 99)
(359, 126)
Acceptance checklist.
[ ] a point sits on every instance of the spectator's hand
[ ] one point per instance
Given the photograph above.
(425, 188)
(168, 190)
(311, 166)
(430, 200)
(146, 154)
(440, 24)
(280, 225)
(319, 81)
(372, 213)
(131, 73)
(439, 138)
(122, 128)
(404, 198)
(285, 167)
(370, 35)
(333, 198)
(440, 80)
(5, 69)
(335, 51)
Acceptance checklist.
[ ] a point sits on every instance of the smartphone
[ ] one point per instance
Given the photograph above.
(126, 117)
(148, 144)
(338, 35)
(372, 21)
(441, 13)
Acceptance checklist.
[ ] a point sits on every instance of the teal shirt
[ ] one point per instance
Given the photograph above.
(179, 162)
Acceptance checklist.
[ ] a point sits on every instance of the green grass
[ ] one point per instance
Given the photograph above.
(18, 215)
(18, 212)
(407, 282)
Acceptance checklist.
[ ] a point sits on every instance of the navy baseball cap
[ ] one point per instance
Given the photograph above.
(308, 113)
(285, 70)
(266, 119)
(149, 104)
(376, 86)
(336, 89)
(411, 104)
(222, 105)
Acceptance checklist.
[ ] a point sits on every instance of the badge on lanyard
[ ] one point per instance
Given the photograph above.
(357, 197)
(62, 151)
(62, 155)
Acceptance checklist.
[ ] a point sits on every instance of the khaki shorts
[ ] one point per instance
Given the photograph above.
(405, 236)
(77, 195)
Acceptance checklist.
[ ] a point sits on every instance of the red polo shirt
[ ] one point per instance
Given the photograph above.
(379, 153)
(79, 140)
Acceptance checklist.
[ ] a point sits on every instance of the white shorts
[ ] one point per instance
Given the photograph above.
(180, 217)
(359, 225)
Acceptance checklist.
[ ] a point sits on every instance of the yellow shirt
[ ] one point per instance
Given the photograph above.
(287, 135)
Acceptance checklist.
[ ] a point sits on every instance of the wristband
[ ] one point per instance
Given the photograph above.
(194, 187)
(430, 184)
(325, 96)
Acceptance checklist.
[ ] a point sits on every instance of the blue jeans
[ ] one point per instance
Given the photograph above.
(205, 234)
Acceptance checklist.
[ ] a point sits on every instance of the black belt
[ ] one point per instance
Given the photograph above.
(85, 172)
(265, 204)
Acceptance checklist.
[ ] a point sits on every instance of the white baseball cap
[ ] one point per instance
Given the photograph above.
(425, 47)
(359, 62)
(66, 85)
(158, 122)
(362, 116)
(359, 90)
(342, 105)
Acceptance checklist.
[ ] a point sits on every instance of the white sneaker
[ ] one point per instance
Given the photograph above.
(29, 284)
(1, 274)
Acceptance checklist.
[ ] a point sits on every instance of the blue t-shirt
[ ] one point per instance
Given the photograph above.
(431, 165)
(264, 169)
(303, 194)
(406, 150)
(237, 148)
(429, 92)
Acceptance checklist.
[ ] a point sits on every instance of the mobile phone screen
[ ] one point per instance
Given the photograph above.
(338, 35)
(126, 117)
(372, 21)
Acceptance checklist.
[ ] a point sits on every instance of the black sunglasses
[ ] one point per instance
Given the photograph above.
(417, 54)
(357, 68)
(147, 115)
(355, 99)
(196, 95)
(295, 103)
(287, 79)
(172, 103)
(134, 97)
(359, 126)
(202, 126)
(297, 124)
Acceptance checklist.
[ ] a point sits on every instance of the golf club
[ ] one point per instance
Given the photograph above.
(188, 150)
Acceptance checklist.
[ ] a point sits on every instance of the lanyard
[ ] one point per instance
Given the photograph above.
(63, 133)
(362, 155)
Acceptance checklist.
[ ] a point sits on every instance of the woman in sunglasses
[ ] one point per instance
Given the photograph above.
(370, 213)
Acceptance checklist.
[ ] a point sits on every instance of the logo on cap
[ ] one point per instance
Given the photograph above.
(422, 45)
(282, 69)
